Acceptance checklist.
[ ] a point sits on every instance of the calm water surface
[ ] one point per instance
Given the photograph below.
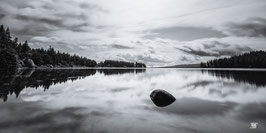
(118, 101)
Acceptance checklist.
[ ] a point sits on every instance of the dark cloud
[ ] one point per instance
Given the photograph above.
(185, 33)
(118, 90)
(59, 22)
(15, 3)
(254, 27)
(149, 59)
(184, 58)
(55, 22)
(118, 46)
(41, 18)
(85, 5)
(2, 16)
(196, 52)
(92, 7)
(214, 48)
(29, 32)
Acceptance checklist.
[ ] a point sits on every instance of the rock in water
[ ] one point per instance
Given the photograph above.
(162, 98)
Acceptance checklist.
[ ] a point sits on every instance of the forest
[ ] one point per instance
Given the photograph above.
(112, 63)
(14, 54)
(253, 59)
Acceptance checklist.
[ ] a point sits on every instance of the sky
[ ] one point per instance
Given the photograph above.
(155, 32)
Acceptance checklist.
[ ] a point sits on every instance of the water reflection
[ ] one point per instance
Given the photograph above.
(15, 81)
(198, 107)
(120, 71)
(251, 77)
(99, 102)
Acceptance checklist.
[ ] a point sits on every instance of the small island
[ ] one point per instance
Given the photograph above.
(17, 55)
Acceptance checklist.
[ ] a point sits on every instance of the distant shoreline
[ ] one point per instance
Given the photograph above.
(85, 68)
(98, 68)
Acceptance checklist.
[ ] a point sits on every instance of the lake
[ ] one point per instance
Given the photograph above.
(118, 101)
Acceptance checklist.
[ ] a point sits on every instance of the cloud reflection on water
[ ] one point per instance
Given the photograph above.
(121, 103)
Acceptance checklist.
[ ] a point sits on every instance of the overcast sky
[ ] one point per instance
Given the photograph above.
(156, 32)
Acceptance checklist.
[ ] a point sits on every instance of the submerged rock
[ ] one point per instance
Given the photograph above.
(162, 98)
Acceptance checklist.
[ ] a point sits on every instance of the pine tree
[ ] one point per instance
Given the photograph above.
(25, 47)
(8, 36)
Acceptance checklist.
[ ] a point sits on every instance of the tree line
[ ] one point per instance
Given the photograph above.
(253, 59)
(14, 54)
(113, 63)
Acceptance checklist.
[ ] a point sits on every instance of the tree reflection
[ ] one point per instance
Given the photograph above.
(13, 82)
(120, 71)
(256, 78)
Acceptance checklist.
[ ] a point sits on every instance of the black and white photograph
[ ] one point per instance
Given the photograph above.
(132, 66)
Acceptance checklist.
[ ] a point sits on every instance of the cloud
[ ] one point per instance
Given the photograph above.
(54, 23)
(33, 18)
(213, 48)
(158, 52)
(151, 60)
(253, 27)
(185, 33)
(118, 46)
(2, 16)
(44, 39)
(164, 32)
